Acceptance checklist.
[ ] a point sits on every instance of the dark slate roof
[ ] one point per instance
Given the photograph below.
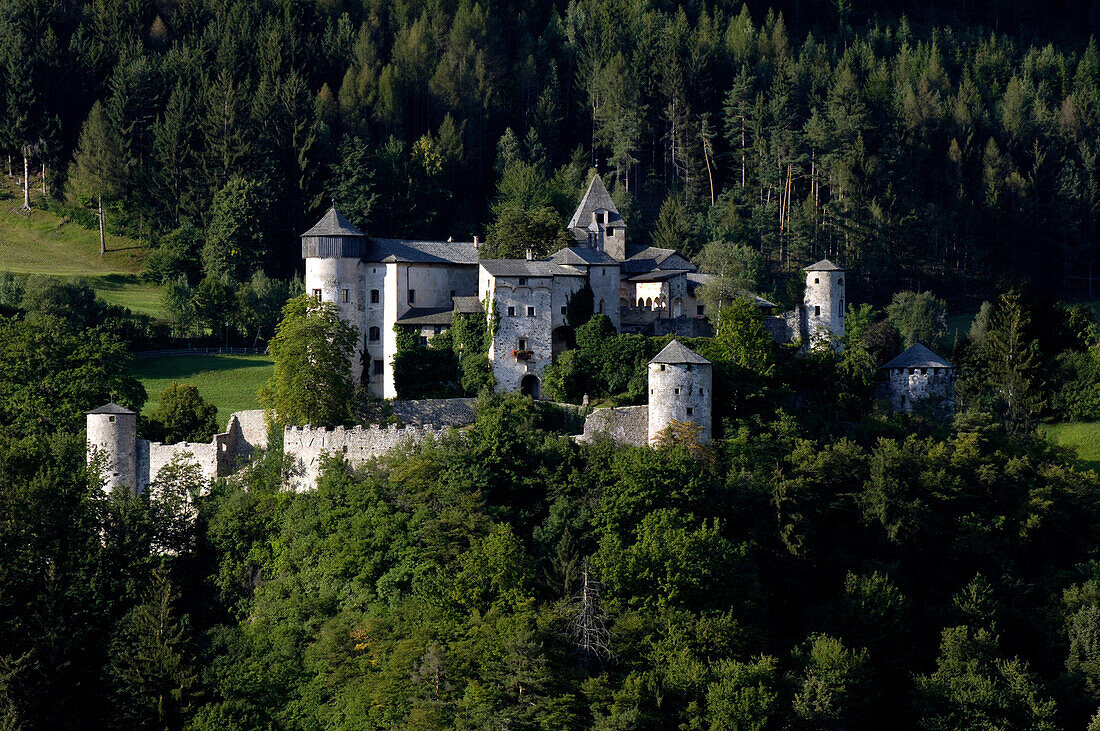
(823, 266)
(422, 252)
(427, 316)
(467, 305)
(582, 256)
(645, 259)
(595, 198)
(112, 408)
(658, 275)
(333, 223)
(918, 356)
(526, 268)
(676, 352)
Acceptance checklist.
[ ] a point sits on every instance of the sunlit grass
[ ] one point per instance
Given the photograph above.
(1083, 436)
(230, 382)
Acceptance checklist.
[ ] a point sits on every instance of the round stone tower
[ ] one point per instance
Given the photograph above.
(824, 303)
(112, 438)
(680, 390)
(333, 250)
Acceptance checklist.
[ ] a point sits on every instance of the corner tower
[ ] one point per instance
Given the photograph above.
(823, 302)
(112, 437)
(333, 250)
(680, 389)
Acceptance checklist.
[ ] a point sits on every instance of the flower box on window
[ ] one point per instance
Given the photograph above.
(523, 354)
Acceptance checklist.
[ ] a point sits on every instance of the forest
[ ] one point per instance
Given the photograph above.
(944, 146)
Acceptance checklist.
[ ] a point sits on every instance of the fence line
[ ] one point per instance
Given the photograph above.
(199, 351)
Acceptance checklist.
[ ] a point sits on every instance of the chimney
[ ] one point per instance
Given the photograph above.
(530, 255)
(476, 242)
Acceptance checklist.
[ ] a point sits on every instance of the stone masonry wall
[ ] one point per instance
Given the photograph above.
(307, 444)
(624, 424)
(904, 388)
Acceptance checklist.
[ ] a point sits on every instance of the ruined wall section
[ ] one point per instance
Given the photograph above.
(623, 424)
(306, 445)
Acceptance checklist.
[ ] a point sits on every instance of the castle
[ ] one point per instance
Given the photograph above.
(379, 284)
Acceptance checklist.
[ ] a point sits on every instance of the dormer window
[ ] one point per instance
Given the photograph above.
(599, 217)
(523, 281)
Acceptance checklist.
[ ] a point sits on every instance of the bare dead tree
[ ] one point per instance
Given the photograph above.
(587, 627)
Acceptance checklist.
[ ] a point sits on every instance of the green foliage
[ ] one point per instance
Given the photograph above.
(183, 416)
(235, 242)
(918, 317)
(312, 381)
(740, 332)
(432, 370)
(579, 306)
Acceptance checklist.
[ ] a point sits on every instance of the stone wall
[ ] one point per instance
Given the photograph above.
(306, 445)
(787, 327)
(623, 424)
(906, 388)
(152, 456)
(435, 412)
(680, 392)
(534, 331)
(824, 302)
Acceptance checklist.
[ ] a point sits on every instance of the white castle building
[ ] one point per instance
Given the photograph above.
(379, 283)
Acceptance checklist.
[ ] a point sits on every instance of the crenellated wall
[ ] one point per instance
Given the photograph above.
(307, 444)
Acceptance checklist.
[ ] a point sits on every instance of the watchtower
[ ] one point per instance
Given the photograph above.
(112, 437)
(680, 389)
(823, 303)
(333, 249)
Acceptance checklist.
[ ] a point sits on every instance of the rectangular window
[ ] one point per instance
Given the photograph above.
(817, 310)
(690, 411)
(423, 339)
(511, 312)
(374, 296)
(522, 281)
(412, 296)
(111, 419)
(677, 391)
(522, 344)
(564, 310)
(317, 295)
(452, 294)
(344, 295)
(530, 311)
(377, 367)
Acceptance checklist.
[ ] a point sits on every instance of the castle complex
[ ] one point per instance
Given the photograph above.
(380, 284)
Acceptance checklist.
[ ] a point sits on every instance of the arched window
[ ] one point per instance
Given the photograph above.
(840, 282)
(649, 303)
(601, 307)
(641, 303)
(374, 334)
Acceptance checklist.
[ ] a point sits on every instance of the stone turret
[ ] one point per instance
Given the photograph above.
(919, 376)
(333, 249)
(824, 303)
(112, 438)
(596, 222)
(680, 389)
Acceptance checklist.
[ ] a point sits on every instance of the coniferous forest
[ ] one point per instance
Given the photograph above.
(824, 564)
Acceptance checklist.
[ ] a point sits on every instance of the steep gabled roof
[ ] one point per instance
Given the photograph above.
(111, 408)
(918, 356)
(823, 266)
(640, 259)
(595, 198)
(676, 352)
(582, 256)
(333, 223)
(421, 252)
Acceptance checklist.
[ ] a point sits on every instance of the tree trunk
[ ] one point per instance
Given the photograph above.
(102, 238)
(44, 193)
(26, 183)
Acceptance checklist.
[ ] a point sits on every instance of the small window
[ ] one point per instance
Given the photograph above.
(374, 334)
(412, 296)
(523, 281)
(111, 419)
(317, 295)
(423, 340)
(840, 282)
(511, 312)
(677, 391)
(530, 311)
(436, 329)
(700, 392)
(344, 295)
(699, 310)
(816, 280)
(817, 311)
(611, 231)
(690, 411)
(687, 367)
(564, 310)
(378, 367)
(601, 307)
(522, 344)
(374, 296)
(641, 302)
(662, 366)
(452, 293)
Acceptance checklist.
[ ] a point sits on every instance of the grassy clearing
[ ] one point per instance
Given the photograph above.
(228, 381)
(1081, 436)
(40, 242)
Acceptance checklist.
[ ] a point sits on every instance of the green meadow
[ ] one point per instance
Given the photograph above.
(231, 382)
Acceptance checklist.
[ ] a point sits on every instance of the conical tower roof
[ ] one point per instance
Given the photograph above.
(111, 408)
(918, 356)
(823, 266)
(333, 223)
(595, 198)
(677, 352)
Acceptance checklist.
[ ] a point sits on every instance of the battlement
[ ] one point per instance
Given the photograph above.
(307, 445)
